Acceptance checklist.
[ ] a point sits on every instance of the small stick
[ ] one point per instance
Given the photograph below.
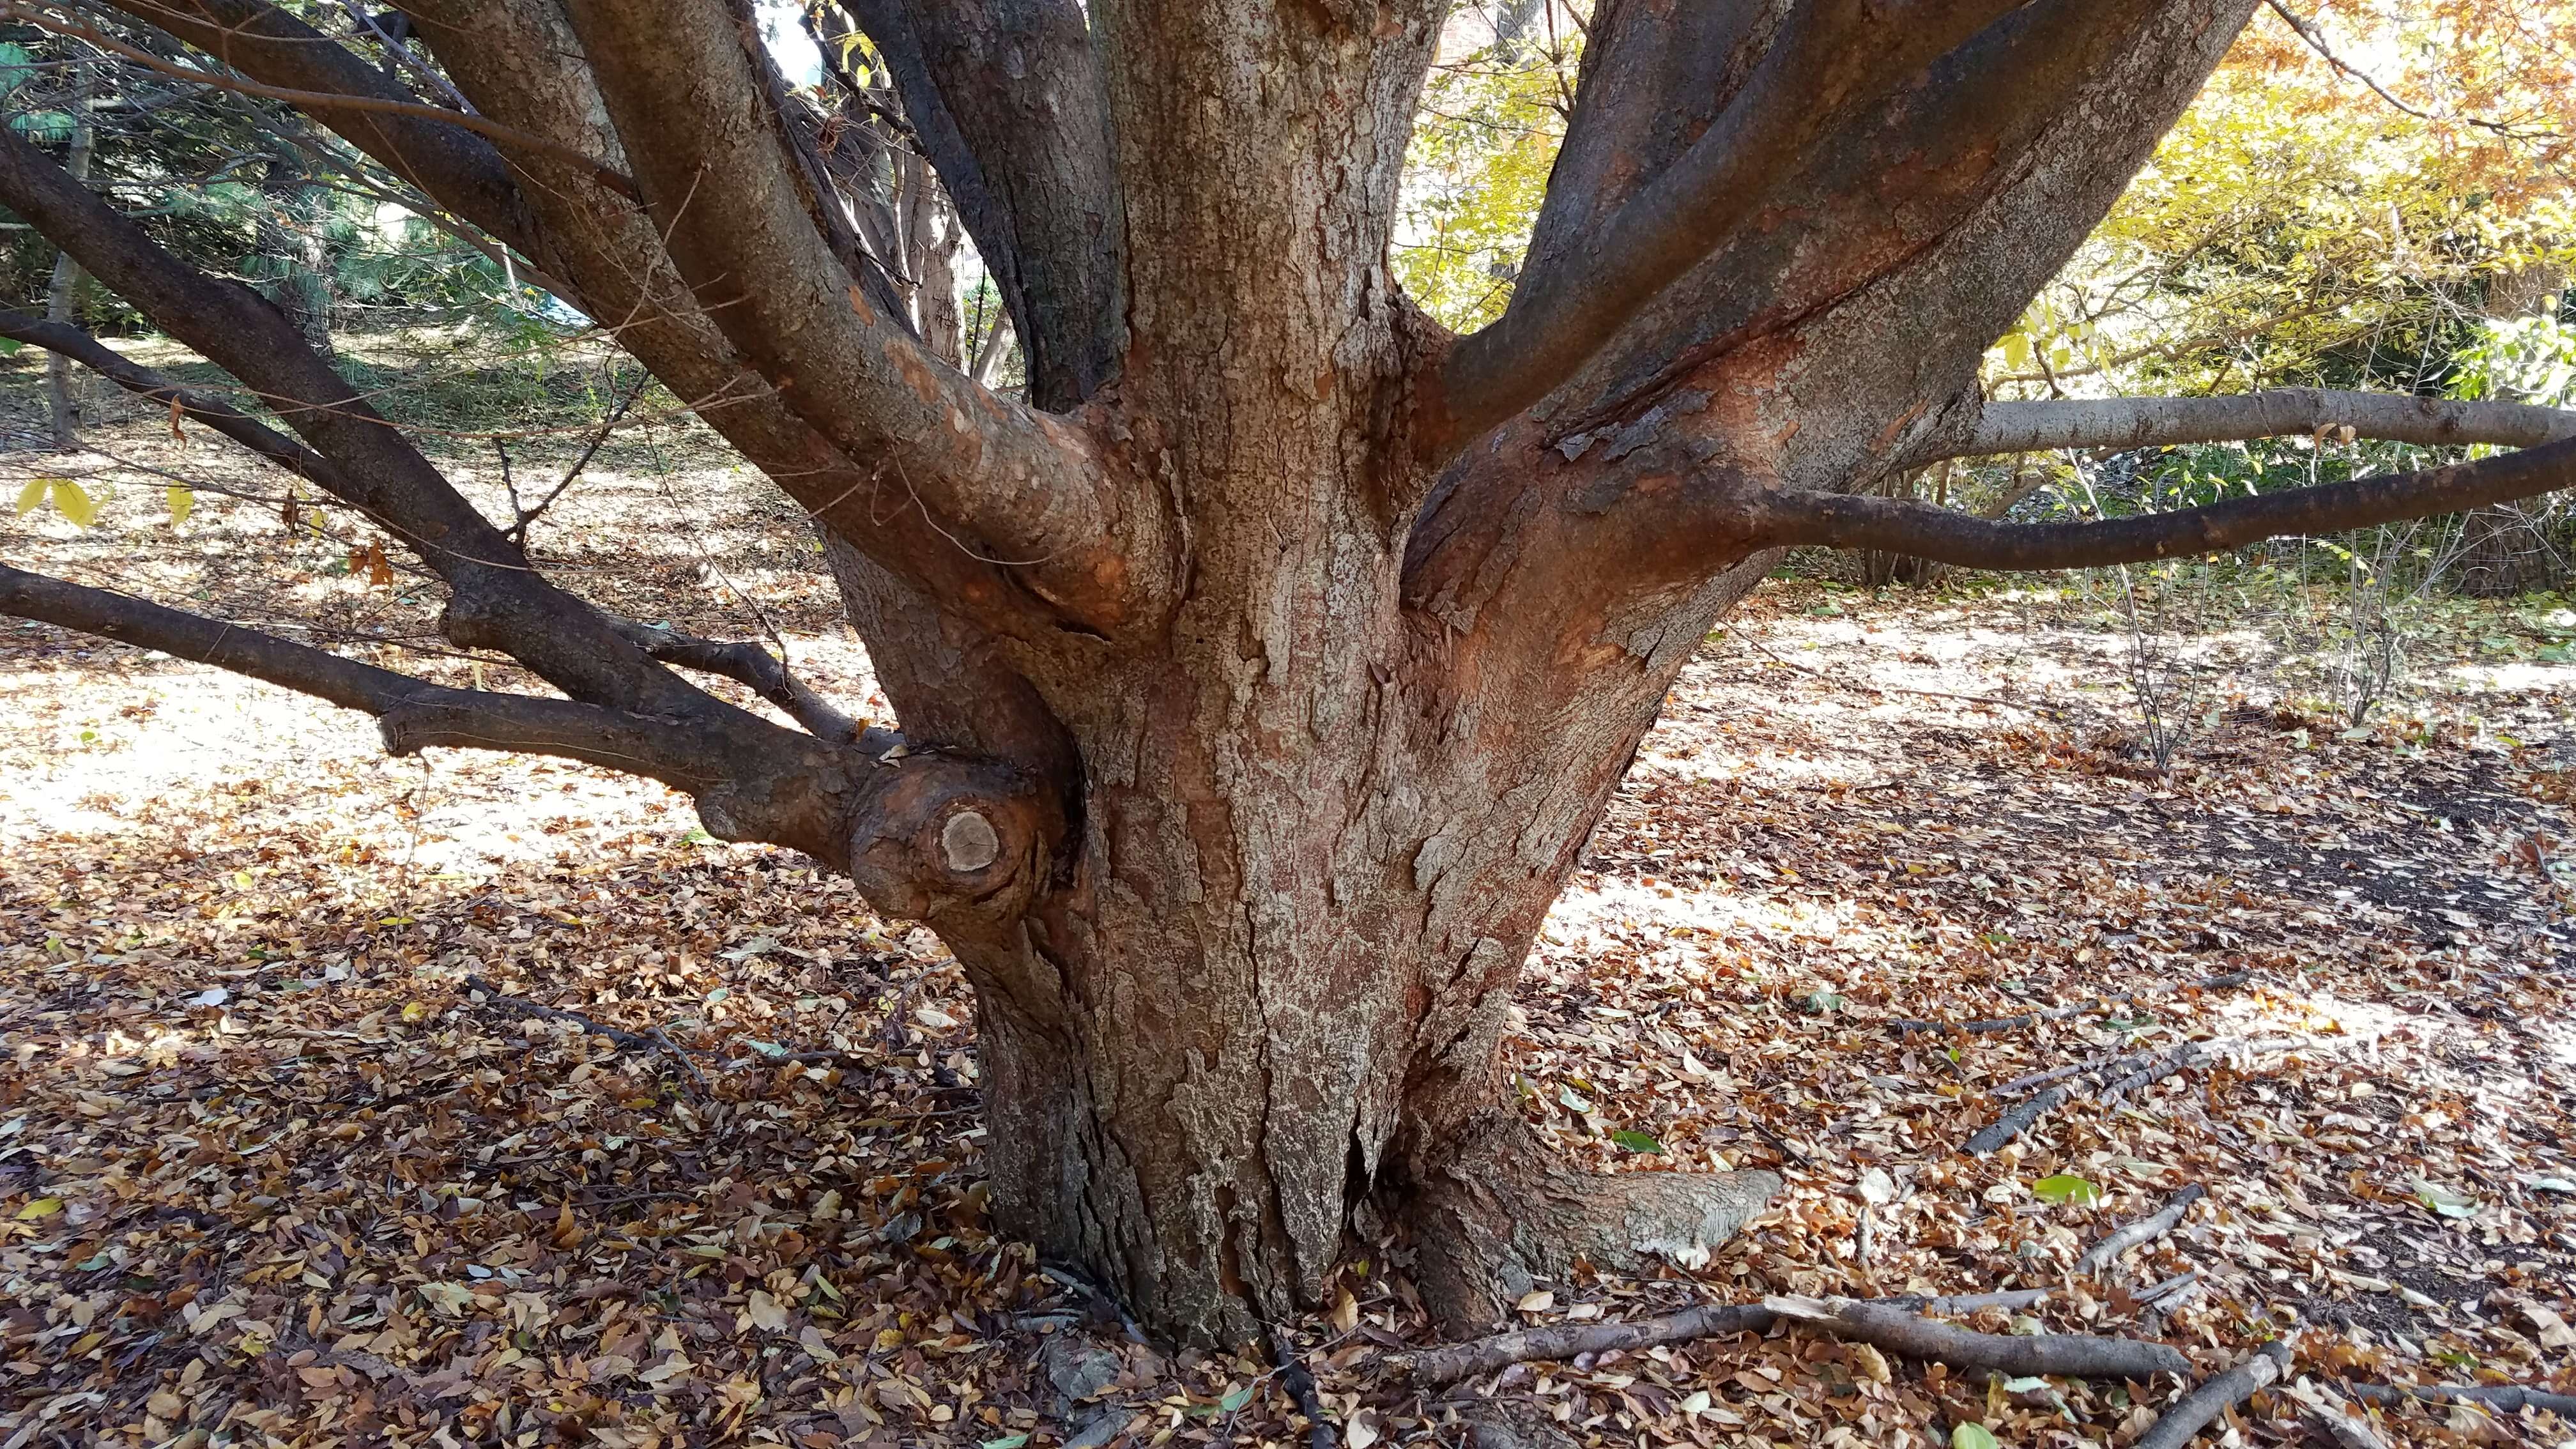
(2067, 1355)
(2146, 1229)
(2015, 1122)
(1435, 1367)
(1301, 1387)
(2503, 1398)
(2192, 1413)
(2060, 1013)
(2172, 1289)
(634, 1041)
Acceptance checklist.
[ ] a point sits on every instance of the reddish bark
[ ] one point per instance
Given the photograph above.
(1263, 682)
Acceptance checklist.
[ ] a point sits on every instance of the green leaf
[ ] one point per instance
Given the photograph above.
(32, 496)
(1973, 1436)
(2443, 1202)
(183, 501)
(1235, 1399)
(1011, 1442)
(1637, 1141)
(1574, 1099)
(2065, 1188)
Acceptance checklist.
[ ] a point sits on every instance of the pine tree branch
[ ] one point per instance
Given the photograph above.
(1766, 519)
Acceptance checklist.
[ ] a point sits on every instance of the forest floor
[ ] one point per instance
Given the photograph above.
(282, 1163)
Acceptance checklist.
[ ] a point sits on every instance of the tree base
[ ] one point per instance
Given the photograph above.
(1502, 1214)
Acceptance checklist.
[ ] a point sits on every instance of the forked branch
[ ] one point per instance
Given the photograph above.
(1001, 481)
(1770, 519)
(412, 712)
(1829, 58)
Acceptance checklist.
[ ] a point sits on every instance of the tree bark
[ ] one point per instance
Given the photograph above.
(1263, 676)
(61, 293)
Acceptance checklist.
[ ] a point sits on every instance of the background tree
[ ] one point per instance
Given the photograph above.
(1263, 673)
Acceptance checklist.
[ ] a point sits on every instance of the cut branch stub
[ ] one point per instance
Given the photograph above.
(946, 839)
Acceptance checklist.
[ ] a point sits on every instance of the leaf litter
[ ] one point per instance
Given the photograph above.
(311, 1130)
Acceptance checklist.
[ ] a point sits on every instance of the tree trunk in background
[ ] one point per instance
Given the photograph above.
(931, 237)
(62, 295)
(294, 253)
(2503, 550)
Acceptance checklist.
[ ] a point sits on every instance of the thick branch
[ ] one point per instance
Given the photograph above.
(931, 836)
(1831, 57)
(1925, 530)
(2150, 422)
(989, 472)
(1006, 98)
(2502, 1398)
(413, 712)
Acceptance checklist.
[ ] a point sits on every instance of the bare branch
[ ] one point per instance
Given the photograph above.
(414, 712)
(496, 599)
(749, 664)
(2149, 422)
(1830, 58)
(1766, 518)
(329, 102)
(81, 347)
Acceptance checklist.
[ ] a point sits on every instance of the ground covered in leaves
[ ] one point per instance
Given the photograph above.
(285, 1159)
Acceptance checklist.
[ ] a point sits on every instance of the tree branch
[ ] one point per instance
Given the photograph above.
(2118, 424)
(327, 101)
(749, 664)
(984, 470)
(81, 347)
(496, 599)
(413, 712)
(1768, 518)
(1832, 57)
(930, 837)
(1006, 99)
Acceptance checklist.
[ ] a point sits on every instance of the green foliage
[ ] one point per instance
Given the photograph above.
(2528, 359)
(1477, 171)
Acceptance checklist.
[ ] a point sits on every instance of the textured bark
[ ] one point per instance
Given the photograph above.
(61, 290)
(1263, 676)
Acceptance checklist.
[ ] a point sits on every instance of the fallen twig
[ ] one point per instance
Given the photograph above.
(2503, 1398)
(1434, 1367)
(2146, 1229)
(634, 1041)
(2068, 1355)
(2015, 1122)
(2178, 1425)
(1300, 1385)
(2061, 1013)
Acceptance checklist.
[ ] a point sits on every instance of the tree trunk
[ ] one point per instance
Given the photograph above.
(293, 251)
(61, 296)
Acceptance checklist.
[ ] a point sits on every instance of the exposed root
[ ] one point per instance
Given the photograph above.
(1502, 1214)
